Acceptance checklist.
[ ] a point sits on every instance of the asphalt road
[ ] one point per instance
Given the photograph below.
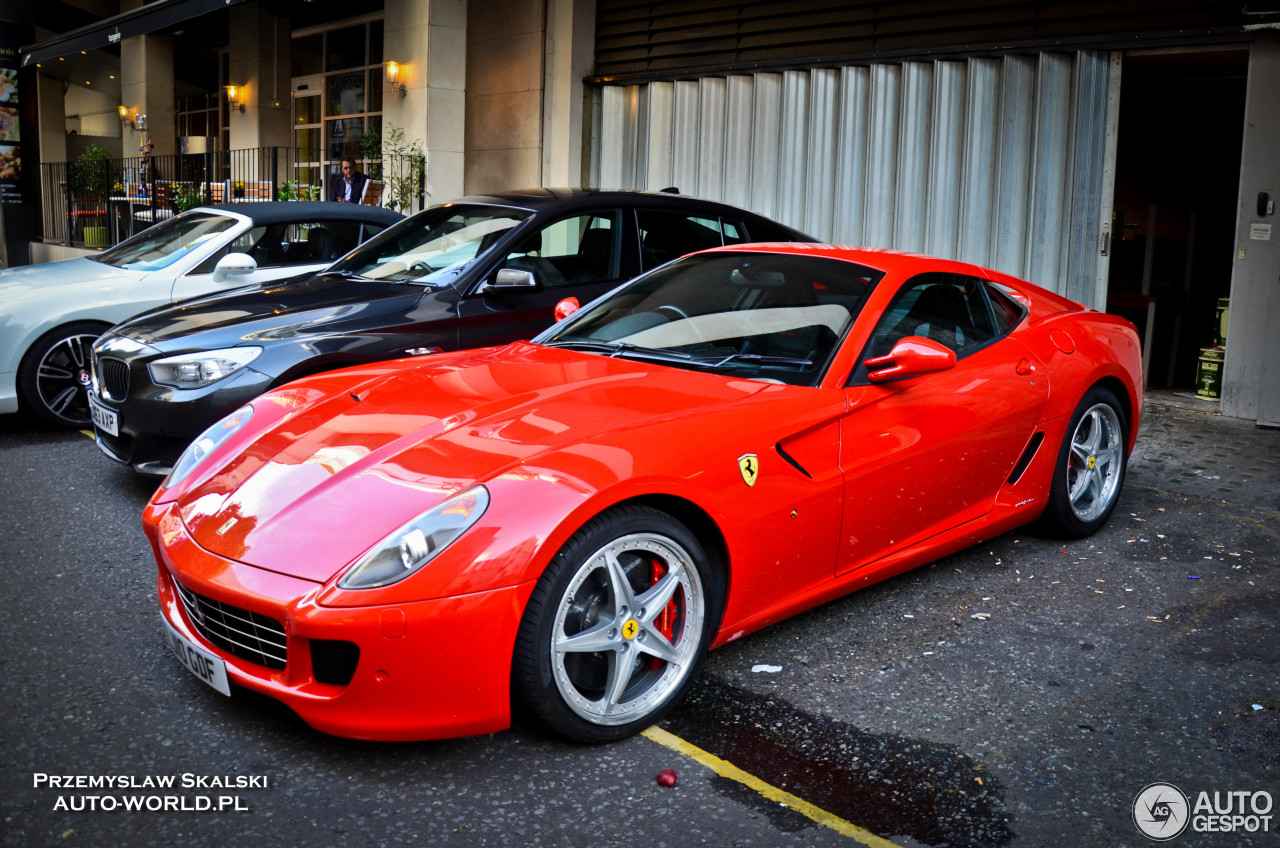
(1020, 693)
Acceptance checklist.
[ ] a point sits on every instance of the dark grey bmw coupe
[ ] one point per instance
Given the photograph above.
(483, 270)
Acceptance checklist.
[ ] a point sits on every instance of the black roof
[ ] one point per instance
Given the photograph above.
(569, 198)
(275, 212)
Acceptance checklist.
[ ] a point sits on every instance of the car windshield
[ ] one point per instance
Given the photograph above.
(164, 244)
(767, 316)
(433, 246)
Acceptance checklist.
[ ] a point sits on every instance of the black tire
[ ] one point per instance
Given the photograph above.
(612, 683)
(53, 378)
(1090, 468)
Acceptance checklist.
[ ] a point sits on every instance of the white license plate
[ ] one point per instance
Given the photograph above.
(104, 419)
(198, 661)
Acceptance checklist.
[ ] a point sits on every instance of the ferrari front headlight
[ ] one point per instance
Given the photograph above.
(193, 370)
(417, 543)
(206, 443)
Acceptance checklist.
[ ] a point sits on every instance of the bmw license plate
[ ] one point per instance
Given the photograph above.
(198, 661)
(104, 419)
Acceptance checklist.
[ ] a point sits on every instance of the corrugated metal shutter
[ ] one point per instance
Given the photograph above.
(998, 162)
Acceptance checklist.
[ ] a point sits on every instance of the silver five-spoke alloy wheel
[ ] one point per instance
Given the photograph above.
(1094, 466)
(627, 629)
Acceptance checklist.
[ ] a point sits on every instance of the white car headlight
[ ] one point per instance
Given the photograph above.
(206, 443)
(193, 370)
(417, 543)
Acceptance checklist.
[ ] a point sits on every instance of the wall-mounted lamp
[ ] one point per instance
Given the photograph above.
(395, 78)
(235, 98)
(137, 122)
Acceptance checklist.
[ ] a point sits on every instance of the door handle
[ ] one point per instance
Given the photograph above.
(1026, 366)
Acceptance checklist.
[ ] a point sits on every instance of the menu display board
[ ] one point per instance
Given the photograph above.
(10, 129)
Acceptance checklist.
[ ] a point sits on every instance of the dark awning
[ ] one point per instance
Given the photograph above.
(108, 31)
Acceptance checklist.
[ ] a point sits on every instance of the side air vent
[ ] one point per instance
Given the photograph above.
(1027, 456)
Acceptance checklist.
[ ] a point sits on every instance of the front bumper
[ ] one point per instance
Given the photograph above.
(426, 670)
(9, 392)
(156, 423)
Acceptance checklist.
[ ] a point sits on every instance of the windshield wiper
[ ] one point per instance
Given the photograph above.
(624, 350)
(756, 359)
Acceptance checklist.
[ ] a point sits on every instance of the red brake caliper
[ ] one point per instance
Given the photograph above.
(667, 621)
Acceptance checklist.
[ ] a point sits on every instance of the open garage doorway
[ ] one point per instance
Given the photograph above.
(1177, 181)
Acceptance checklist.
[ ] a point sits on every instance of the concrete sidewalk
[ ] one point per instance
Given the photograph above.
(1187, 446)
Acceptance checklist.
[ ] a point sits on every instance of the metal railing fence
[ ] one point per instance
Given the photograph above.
(100, 202)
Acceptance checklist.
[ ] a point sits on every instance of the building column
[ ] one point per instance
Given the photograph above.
(259, 68)
(428, 41)
(1251, 375)
(146, 88)
(51, 94)
(570, 54)
(504, 115)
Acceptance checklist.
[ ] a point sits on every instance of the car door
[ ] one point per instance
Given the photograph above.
(925, 454)
(281, 250)
(580, 255)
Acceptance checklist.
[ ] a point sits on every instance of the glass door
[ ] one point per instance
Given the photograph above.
(308, 140)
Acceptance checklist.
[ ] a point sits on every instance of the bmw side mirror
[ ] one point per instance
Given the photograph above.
(233, 264)
(512, 279)
(911, 357)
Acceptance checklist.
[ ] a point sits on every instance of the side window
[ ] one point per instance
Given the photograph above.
(733, 231)
(946, 308)
(669, 235)
(582, 249)
(313, 242)
(1007, 312)
(242, 243)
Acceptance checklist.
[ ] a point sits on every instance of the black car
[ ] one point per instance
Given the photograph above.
(480, 271)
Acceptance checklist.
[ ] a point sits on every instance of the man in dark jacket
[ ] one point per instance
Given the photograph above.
(350, 185)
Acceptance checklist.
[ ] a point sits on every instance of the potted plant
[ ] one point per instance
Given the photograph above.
(88, 184)
(237, 188)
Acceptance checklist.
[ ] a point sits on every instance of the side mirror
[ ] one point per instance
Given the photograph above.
(566, 307)
(512, 279)
(911, 357)
(233, 264)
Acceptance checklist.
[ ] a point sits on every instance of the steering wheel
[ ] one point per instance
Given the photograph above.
(680, 313)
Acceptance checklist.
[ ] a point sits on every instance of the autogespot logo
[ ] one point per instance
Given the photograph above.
(1160, 811)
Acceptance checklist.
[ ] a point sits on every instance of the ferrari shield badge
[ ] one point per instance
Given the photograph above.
(750, 468)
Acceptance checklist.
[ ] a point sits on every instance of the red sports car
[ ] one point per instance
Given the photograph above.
(407, 550)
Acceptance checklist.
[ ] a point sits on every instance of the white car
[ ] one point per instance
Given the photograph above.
(50, 314)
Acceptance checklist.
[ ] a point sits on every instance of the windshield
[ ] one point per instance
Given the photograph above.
(164, 244)
(775, 317)
(432, 246)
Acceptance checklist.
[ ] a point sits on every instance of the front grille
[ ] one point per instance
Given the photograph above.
(121, 446)
(168, 451)
(247, 635)
(114, 374)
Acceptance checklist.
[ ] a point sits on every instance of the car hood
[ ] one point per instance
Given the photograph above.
(53, 278)
(368, 449)
(274, 310)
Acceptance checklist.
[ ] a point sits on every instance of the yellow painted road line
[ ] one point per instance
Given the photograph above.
(773, 793)
(88, 433)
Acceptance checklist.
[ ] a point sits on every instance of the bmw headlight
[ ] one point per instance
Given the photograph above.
(417, 543)
(206, 443)
(193, 370)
